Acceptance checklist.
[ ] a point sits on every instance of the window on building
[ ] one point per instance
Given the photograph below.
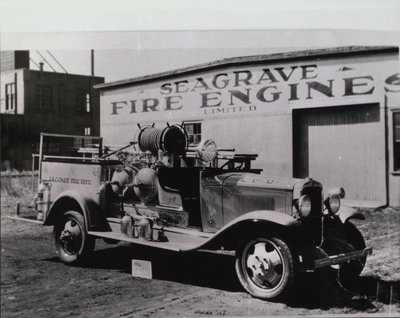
(53, 147)
(82, 100)
(87, 103)
(61, 96)
(10, 97)
(43, 97)
(396, 140)
(87, 131)
(78, 143)
(193, 130)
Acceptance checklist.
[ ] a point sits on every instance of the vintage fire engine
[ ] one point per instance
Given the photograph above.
(161, 192)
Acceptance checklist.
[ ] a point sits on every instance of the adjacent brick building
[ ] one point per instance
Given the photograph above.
(35, 101)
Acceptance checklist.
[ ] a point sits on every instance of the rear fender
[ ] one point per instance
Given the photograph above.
(346, 213)
(253, 223)
(71, 200)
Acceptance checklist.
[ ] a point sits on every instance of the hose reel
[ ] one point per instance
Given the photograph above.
(172, 140)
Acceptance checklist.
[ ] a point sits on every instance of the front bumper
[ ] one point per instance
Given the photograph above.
(341, 258)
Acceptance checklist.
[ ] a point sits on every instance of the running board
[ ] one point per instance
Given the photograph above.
(175, 241)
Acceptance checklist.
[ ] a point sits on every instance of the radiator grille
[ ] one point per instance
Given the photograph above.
(313, 223)
(315, 194)
(252, 203)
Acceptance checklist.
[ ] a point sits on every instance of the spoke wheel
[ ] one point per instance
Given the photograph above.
(71, 240)
(265, 267)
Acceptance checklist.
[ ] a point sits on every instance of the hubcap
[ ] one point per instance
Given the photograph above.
(71, 237)
(263, 264)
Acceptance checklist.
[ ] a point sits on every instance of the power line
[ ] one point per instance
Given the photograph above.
(37, 65)
(57, 61)
(44, 59)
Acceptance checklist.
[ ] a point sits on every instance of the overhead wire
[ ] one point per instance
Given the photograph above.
(44, 59)
(37, 65)
(54, 58)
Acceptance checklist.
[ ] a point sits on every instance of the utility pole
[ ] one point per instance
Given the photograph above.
(92, 124)
(92, 61)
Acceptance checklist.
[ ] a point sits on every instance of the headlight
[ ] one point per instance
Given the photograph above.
(339, 191)
(304, 206)
(333, 203)
(207, 151)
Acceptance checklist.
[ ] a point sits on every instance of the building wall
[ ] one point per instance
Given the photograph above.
(392, 101)
(66, 115)
(250, 107)
(16, 77)
(12, 129)
(7, 60)
(182, 97)
(334, 144)
(62, 112)
(12, 60)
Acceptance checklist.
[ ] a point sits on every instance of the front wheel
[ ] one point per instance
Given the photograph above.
(265, 267)
(71, 239)
(349, 272)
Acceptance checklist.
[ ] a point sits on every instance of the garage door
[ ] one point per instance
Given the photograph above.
(342, 146)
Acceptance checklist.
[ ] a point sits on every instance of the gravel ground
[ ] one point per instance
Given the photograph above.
(35, 284)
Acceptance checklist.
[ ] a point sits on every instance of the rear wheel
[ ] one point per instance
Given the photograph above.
(71, 239)
(265, 267)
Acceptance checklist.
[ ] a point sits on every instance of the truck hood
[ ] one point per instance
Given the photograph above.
(259, 181)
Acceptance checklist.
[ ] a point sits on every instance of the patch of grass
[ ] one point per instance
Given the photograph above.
(17, 187)
(381, 230)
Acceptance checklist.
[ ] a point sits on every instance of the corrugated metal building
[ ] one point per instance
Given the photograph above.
(331, 114)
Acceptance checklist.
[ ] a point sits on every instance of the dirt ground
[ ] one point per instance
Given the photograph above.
(34, 283)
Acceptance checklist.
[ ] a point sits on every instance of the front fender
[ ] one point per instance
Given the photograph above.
(71, 200)
(265, 215)
(346, 213)
(260, 220)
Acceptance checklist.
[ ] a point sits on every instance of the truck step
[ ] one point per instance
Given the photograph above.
(176, 241)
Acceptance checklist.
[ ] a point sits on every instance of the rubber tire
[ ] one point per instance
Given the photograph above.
(87, 243)
(288, 269)
(356, 239)
(349, 272)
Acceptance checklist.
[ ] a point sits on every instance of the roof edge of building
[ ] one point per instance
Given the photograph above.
(61, 73)
(255, 59)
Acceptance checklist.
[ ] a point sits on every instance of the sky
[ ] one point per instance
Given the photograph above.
(122, 64)
(117, 64)
(135, 38)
